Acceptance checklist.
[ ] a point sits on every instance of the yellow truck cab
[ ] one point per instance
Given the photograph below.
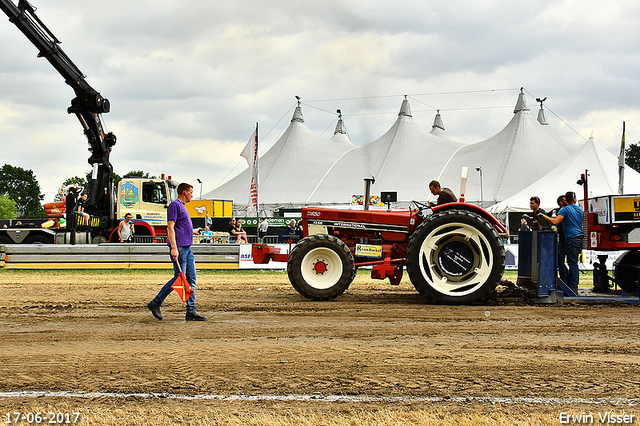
(147, 201)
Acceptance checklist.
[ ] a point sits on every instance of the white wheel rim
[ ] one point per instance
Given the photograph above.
(321, 268)
(437, 277)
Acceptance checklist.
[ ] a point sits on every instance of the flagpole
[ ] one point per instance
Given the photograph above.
(621, 164)
(257, 189)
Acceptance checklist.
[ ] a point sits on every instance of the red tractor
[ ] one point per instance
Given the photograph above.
(453, 252)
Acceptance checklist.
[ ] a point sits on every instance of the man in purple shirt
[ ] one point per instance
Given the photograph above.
(180, 231)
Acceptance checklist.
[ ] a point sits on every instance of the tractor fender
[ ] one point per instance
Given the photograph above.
(475, 209)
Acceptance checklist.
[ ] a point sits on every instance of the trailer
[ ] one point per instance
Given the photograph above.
(612, 224)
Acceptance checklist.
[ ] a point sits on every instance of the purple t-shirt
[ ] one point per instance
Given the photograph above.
(178, 213)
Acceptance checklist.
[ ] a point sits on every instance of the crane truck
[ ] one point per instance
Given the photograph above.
(145, 198)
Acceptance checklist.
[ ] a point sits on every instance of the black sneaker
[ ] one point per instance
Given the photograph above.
(154, 310)
(194, 316)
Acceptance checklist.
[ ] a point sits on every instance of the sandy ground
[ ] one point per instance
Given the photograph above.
(91, 332)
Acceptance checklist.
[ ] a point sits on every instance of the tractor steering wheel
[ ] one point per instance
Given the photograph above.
(423, 209)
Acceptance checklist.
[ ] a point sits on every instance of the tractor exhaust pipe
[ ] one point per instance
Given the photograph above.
(367, 191)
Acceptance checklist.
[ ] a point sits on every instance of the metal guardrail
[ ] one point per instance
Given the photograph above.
(112, 256)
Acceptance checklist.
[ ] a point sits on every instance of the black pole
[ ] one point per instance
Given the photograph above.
(71, 205)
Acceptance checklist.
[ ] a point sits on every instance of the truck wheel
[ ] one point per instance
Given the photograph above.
(320, 267)
(625, 270)
(98, 239)
(5, 240)
(455, 257)
(38, 239)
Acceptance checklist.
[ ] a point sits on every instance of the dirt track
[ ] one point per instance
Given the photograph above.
(91, 332)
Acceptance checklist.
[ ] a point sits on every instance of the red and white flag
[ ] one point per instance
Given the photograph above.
(250, 153)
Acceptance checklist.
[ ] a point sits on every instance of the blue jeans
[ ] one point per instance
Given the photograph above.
(562, 255)
(573, 248)
(188, 265)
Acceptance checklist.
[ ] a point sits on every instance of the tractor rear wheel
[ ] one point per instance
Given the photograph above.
(320, 267)
(455, 257)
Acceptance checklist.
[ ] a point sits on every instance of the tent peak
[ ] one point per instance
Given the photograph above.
(340, 127)
(404, 108)
(297, 114)
(542, 117)
(437, 121)
(521, 104)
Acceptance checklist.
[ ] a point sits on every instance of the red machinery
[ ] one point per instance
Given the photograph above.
(613, 223)
(453, 253)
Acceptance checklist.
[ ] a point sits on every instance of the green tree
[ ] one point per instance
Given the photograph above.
(7, 208)
(22, 187)
(83, 182)
(116, 178)
(632, 156)
(140, 173)
(71, 181)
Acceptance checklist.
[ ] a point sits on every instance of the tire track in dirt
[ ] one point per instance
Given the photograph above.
(373, 342)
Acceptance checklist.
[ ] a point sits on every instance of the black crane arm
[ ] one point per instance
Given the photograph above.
(88, 104)
(24, 17)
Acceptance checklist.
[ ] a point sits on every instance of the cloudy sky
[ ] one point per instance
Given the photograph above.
(188, 80)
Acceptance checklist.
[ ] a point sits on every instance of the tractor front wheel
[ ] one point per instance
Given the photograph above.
(455, 257)
(320, 267)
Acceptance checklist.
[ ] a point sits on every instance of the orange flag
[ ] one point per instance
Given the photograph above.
(182, 287)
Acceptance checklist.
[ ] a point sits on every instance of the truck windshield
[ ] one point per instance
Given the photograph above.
(154, 192)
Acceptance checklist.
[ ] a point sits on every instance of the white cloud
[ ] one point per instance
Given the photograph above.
(188, 80)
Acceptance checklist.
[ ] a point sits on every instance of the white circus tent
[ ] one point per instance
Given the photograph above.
(602, 168)
(289, 169)
(520, 154)
(404, 160)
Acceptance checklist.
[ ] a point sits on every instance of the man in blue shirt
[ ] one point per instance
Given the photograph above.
(571, 218)
(180, 232)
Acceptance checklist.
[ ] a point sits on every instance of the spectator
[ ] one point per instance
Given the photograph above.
(562, 253)
(292, 226)
(534, 204)
(242, 235)
(71, 206)
(263, 228)
(231, 229)
(445, 195)
(206, 235)
(82, 203)
(126, 229)
(571, 218)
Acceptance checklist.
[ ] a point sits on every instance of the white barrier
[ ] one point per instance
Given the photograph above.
(208, 256)
(112, 256)
(586, 260)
